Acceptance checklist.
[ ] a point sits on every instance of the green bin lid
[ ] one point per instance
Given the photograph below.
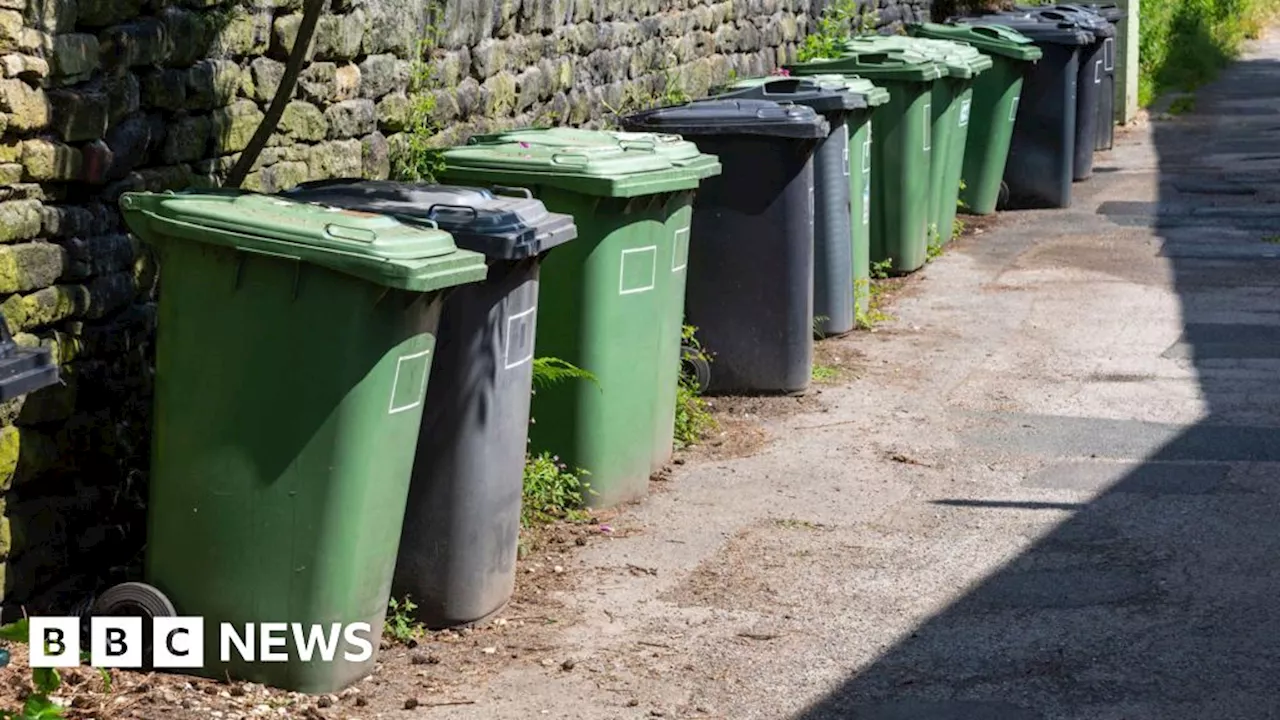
(599, 170)
(959, 60)
(995, 39)
(675, 149)
(376, 248)
(888, 64)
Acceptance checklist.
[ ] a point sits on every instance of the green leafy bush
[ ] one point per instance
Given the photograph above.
(839, 20)
(1183, 44)
(551, 491)
(693, 416)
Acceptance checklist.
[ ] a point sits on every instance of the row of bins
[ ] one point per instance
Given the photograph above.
(343, 373)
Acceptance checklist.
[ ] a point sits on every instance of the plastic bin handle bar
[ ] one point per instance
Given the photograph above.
(344, 232)
(431, 211)
(1054, 15)
(415, 221)
(984, 30)
(512, 191)
(647, 145)
(577, 159)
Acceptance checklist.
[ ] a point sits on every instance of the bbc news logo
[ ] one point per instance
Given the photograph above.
(179, 642)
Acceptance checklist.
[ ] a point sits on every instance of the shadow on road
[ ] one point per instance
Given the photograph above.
(1159, 598)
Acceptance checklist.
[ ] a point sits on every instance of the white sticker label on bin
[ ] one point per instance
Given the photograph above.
(866, 205)
(519, 348)
(965, 107)
(1013, 108)
(639, 270)
(680, 250)
(1109, 52)
(410, 383)
(928, 126)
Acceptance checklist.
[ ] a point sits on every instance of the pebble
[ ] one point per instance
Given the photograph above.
(568, 664)
(411, 703)
(557, 569)
(489, 650)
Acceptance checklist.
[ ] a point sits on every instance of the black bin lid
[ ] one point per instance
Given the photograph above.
(1040, 30)
(800, 91)
(1084, 16)
(733, 117)
(23, 369)
(504, 224)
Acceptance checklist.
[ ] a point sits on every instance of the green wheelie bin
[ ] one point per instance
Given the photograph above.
(606, 298)
(671, 276)
(901, 150)
(951, 106)
(293, 350)
(995, 105)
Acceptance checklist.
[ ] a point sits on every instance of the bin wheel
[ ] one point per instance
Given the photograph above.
(694, 364)
(1002, 200)
(133, 599)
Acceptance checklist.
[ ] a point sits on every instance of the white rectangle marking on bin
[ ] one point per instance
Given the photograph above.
(680, 250)
(866, 155)
(517, 323)
(418, 357)
(844, 141)
(1013, 108)
(1109, 53)
(653, 270)
(1097, 72)
(965, 107)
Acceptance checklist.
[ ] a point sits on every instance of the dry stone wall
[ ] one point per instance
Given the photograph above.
(99, 97)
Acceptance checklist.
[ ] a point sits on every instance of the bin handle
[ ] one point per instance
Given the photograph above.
(638, 145)
(511, 191)
(416, 221)
(984, 30)
(560, 158)
(431, 211)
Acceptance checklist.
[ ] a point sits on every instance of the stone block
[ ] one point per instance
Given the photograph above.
(383, 74)
(79, 115)
(52, 16)
(338, 37)
(335, 159)
(187, 139)
(393, 112)
(45, 161)
(234, 125)
(266, 74)
(393, 26)
(11, 27)
(212, 83)
(101, 13)
(45, 306)
(317, 83)
(346, 82)
(73, 55)
(141, 42)
(191, 32)
(498, 95)
(246, 32)
(26, 67)
(64, 221)
(282, 176)
(124, 96)
(304, 121)
(99, 255)
(27, 106)
(351, 118)
(131, 143)
(375, 157)
(30, 266)
(165, 89)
